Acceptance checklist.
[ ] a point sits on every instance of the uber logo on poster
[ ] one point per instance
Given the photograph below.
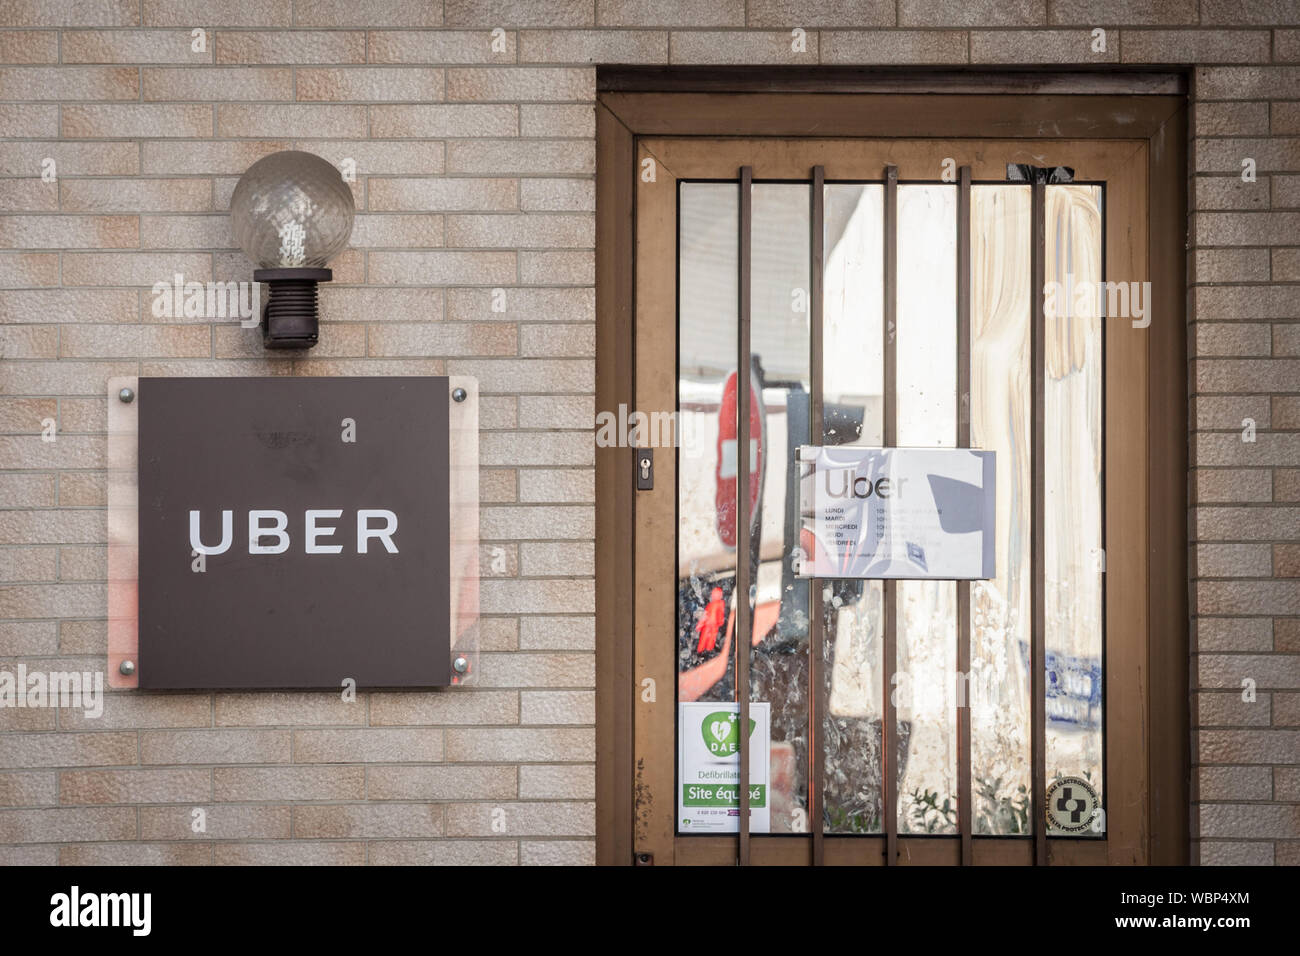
(280, 549)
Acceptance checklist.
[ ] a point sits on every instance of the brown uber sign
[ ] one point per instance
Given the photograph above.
(293, 532)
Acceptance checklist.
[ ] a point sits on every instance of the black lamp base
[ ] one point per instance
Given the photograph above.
(289, 318)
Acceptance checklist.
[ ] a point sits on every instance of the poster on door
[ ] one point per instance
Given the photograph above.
(708, 767)
(903, 513)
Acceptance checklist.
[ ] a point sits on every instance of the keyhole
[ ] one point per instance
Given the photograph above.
(645, 467)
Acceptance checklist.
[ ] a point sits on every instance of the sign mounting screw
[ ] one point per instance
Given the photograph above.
(460, 665)
(459, 394)
(127, 668)
(126, 395)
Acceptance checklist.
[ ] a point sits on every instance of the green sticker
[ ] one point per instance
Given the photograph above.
(719, 732)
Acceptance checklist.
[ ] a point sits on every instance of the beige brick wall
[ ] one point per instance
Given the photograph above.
(474, 171)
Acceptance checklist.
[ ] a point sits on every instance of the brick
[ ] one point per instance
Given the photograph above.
(559, 781)
(29, 120)
(557, 707)
(1138, 12)
(224, 746)
(52, 600)
(366, 821)
(71, 232)
(1196, 46)
(29, 47)
(557, 853)
(83, 637)
(1229, 710)
(819, 13)
(1266, 12)
(593, 46)
(1253, 597)
(1248, 746)
(559, 305)
(289, 853)
(440, 47)
(1224, 853)
(444, 120)
(394, 231)
(533, 157)
(1232, 339)
(152, 120)
(1240, 265)
(484, 745)
(1038, 46)
(521, 231)
(1231, 119)
(1286, 265)
(29, 855)
(552, 522)
(557, 195)
(393, 305)
(219, 83)
(28, 195)
(1221, 485)
(131, 46)
(539, 669)
(247, 784)
(553, 120)
(564, 341)
(442, 338)
(346, 13)
(59, 825)
(521, 819)
(136, 854)
(1286, 45)
(133, 268)
(549, 486)
(71, 159)
(518, 13)
(140, 710)
(126, 341)
(894, 46)
(497, 485)
(32, 751)
(28, 789)
(370, 84)
(452, 707)
(1233, 560)
(669, 13)
(206, 158)
(135, 195)
(984, 13)
(367, 746)
(82, 490)
(293, 709)
(1287, 782)
(1270, 155)
(1286, 710)
(297, 120)
(311, 47)
(179, 785)
(27, 638)
(442, 783)
(449, 853)
(221, 822)
(29, 342)
(52, 527)
(221, 13)
(442, 268)
(1248, 820)
(1228, 411)
(1243, 375)
(1287, 635)
(187, 232)
(519, 84)
(26, 269)
(557, 268)
(543, 558)
(1229, 192)
(1244, 82)
(83, 563)
(69, 83)
(741, 46)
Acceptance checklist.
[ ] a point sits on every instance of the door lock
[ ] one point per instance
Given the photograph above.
(645, 469)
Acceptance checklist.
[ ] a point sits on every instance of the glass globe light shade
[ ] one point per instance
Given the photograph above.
(292, 210)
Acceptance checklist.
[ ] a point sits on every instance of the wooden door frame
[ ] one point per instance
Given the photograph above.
(1017, 109)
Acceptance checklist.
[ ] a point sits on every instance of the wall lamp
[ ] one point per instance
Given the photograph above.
(292, 213)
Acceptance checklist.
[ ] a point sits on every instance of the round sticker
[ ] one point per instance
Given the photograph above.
(1071, 805)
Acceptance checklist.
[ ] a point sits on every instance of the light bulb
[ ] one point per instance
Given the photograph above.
(291, 213)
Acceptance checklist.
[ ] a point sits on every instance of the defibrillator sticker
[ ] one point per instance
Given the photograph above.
(708, 748)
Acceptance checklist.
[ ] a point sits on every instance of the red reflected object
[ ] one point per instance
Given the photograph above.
(710, 623)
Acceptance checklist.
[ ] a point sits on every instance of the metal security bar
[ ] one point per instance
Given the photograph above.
(963, 441)
(744, 552)
(816, 601)
(889, 746)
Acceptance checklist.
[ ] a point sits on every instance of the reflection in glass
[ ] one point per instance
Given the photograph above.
(853, 376)
(1001, 409)
(1072, 483)
(926, 685)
